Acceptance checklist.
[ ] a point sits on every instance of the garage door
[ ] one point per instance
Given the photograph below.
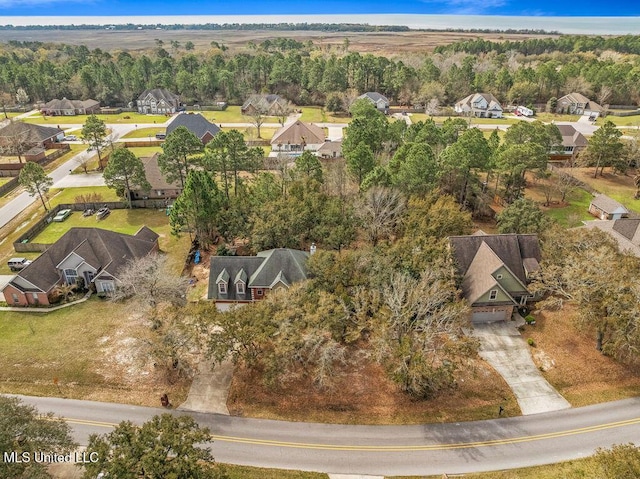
(488, 316)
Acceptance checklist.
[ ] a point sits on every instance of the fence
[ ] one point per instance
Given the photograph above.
(23, 243)
(133, 144)
(8, 186)
(623, 113)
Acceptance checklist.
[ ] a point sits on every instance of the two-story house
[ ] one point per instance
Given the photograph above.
(480, 105)
(577, 104)
(495, 270)
(92, 256)
(158, 101)
(573, 142)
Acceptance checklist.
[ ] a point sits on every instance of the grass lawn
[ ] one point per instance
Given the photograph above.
(246, 472)
(68, 195)
(231, 114)
(251, 133)
(126, 117)
(88, 349)
(619, 120)
(316, 114)
(144, 133)
(143, 151)
(5, 179)
(575, 212)
(549, 117)
(618, 187)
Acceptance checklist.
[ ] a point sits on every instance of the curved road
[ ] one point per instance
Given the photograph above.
(430, 449)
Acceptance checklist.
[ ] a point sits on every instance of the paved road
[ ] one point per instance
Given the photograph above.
(453, 448)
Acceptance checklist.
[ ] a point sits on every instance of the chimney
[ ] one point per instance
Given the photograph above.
(312, 248)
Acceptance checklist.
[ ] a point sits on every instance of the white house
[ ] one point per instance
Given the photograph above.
(480, 105)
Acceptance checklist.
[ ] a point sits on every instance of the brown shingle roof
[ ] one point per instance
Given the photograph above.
(571, 136)
(606, 204)
(30, 133)
(297, 133)
(154, 175)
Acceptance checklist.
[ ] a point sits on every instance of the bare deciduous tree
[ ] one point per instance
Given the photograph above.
(380, 212)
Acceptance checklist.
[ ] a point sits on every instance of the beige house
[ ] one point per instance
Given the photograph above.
(606, 208)
(573, 142)
(577, 104)
(298, 137)
(67, 107)
(480, 105)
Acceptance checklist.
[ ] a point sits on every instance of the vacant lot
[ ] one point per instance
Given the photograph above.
(144, 133)
(128, 117)
(87, 351)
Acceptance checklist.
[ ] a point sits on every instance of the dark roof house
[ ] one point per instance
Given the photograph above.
(196, 124)
(495, 270)
(625, 231)
(29, 134)
(160, 189)
(250, 278)
(93, 255)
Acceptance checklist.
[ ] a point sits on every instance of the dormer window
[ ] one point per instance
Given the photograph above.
(493, 294)
(240, 288)
(222, 288)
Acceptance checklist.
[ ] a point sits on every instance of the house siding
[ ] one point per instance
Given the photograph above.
(509, 282)
(501, 297)
(24, 298)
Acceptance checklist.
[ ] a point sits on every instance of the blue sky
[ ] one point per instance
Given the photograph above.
(264, 7)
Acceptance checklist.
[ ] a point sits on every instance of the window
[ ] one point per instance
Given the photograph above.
(222, 288)
(258, 292)
(498, 276)
(240, 287)
(15, 298)
(493, 294)
(71, 276)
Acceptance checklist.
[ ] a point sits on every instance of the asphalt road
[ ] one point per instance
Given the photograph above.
(431, 449)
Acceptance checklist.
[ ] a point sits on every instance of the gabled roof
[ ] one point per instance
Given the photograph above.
(154, 175)
(298, 133)
(262, 102)
(195, 123)
(66, 104)
(102, 249)
(160, 94)
(575, 97)
(492, 101)
(571, 136)
(374, 96)
(608, 205)
(264, 270)
(479, 279)
(30, 133)
(329, 147)
(625, 231)
(511, 249)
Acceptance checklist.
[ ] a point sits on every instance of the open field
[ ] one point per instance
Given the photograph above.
(549, 117)
(133, 117)
(144, 151)
(620, 120)
(231, 114)
(382, 43)
(89, 350)
(316, 114)
(144, 133)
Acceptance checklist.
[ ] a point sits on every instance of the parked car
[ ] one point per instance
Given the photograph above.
(62, 215)
(70, 138)
(16, 264)
(160, 136)
(103, 212)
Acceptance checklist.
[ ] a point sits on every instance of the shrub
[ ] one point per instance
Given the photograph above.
(530, 320)
(531, 342)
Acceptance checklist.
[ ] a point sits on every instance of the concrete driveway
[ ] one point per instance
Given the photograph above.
(502, 346)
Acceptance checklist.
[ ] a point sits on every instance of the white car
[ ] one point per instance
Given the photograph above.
(70, 138)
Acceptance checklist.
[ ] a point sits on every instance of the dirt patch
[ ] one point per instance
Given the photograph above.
(570, 362)
(365, 395)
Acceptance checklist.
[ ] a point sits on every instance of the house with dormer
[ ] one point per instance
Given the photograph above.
(479, 105)
(243, 279)
(158, 101)
(90, 256)
(494, 272)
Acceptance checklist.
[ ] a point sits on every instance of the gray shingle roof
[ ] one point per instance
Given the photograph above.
(262, 102)
(374, 96)
(195, 123)
(160, 94)
(263, 271)
(104, 250)
(606, 204)
(31, 133)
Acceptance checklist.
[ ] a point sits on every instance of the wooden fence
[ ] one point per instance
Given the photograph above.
(8, 186)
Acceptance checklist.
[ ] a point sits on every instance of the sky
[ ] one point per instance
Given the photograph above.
(270, 7)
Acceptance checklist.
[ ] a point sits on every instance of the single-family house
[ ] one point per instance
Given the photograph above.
(67, 107)
(297, 137)
(160, 189)
(495, 270)
(92, 256)
(573, 142)
(625, 231)
(330, 149)
(243, 279)
(480, 105)
(158, 101)
(379, 101)
(24, 136)
(606, 208)
(196, 124)
(578, 104)
(270, 105)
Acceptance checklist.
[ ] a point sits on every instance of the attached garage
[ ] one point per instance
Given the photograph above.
(491, 314)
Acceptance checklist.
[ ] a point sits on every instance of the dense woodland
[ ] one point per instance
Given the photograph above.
(528, 72)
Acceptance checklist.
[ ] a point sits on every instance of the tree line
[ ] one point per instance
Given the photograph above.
(306, 74)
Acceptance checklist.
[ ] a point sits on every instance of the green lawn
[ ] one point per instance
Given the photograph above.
(246, 472)
(577, 211)
(144, 151)
(144, 133)
(5, 179)
(68, 195)
(549, 117)
(126, 117)
(230, 115)
(316, 114)
(620, 120)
